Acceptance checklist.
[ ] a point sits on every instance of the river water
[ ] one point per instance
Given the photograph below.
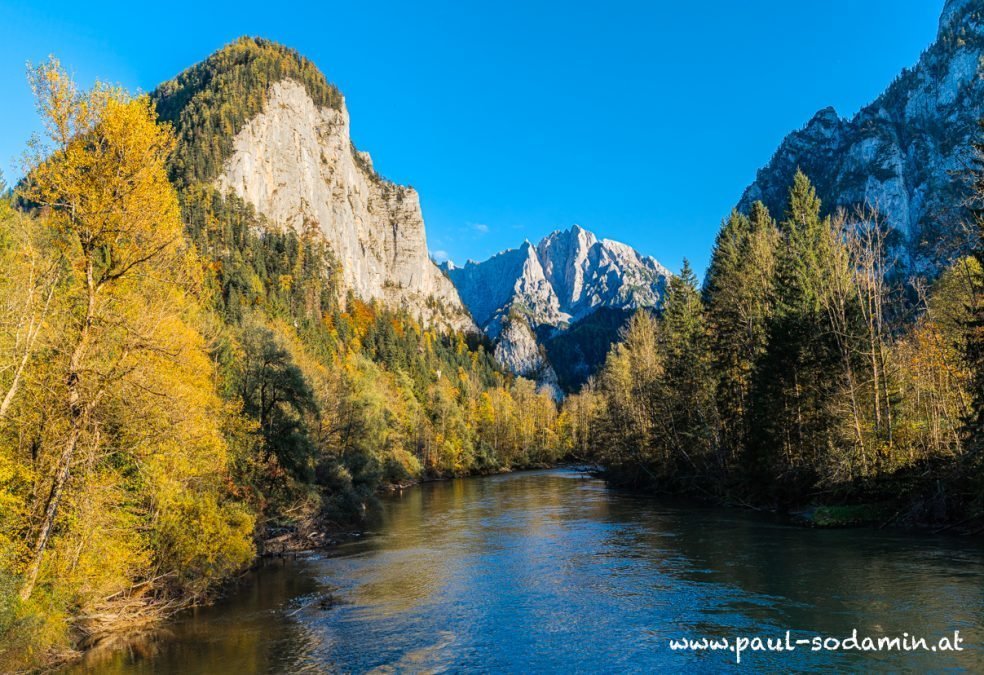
(550, 571)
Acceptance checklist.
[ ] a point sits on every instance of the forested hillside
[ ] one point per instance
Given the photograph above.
(801, 374)
(179, 376)
(258, 122)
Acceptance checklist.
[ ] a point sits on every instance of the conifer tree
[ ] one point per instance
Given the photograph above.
(974, 348)
(793, 381)
(739, 294)
(688, 417)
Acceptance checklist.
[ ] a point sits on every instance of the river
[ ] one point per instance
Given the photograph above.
(552, 571)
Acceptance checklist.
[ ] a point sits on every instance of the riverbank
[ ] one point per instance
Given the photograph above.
(910, 500)
(289, 539)
(458, 576)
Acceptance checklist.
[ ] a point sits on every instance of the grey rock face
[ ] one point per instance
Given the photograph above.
(517, 350)
(562, 279)
(587, 273)
(296, 165)
(510, 281)
(902, 153)
(565, 277)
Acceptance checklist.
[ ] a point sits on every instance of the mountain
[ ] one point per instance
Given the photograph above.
(510, 280)
(259, 122)
(900, 153)
(527, 297)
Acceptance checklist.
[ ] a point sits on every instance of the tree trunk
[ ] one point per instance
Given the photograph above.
(33, 329)
(78, 412)
(51, 509)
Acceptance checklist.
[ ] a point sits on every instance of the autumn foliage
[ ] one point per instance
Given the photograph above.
(176, 379)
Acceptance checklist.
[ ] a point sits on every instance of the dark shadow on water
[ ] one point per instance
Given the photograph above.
(550, 572)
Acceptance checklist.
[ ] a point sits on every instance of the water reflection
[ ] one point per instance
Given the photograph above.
(548, 571)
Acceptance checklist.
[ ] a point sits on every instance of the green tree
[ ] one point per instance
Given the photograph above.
(974, 349)
(686, 411)
(739, 292)
(792, 380)
(276, 393)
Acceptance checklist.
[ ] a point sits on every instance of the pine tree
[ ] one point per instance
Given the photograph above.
(793, 379)
(688, 417)
(738, 294)
(726, 255)
(974, 349)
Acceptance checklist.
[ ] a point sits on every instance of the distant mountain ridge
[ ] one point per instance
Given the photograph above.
(902, 153)
(523, 297)
(564, 277)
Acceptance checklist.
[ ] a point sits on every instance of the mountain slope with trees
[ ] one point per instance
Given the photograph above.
(802, 375)
(904, 153)
(259, 122)
(180, 377)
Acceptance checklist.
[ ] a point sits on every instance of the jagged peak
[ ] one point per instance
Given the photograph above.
(826, 115)
(575, 233)
(527, 251)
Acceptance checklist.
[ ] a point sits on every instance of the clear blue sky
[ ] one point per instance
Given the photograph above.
(642, 121)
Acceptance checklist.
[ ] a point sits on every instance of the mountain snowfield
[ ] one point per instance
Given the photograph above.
(536, 290)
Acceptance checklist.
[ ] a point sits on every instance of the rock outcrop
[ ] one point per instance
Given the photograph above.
(901, 154)
(518, 350)
(296, 165)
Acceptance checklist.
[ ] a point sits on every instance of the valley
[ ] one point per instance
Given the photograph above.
(227, 352)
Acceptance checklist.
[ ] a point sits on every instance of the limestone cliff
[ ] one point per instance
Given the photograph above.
(518, 350)
(259, 121)
(295, 164)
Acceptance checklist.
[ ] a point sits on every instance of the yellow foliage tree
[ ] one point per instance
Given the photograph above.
(131, 417)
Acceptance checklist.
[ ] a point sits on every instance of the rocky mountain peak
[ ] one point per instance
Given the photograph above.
(259, 122)
(563, 278)
(564, 255)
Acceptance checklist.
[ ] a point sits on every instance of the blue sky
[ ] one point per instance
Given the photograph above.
(642, 121)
